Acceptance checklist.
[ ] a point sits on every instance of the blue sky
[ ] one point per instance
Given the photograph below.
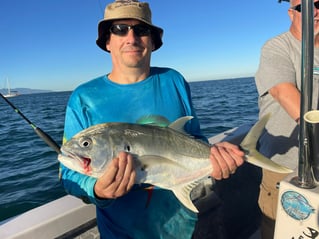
(50, 44)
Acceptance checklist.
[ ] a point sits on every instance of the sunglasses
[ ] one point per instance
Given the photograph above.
(122, 29)
(298, 7)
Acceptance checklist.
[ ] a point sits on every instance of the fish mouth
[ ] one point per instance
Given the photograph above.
(84, 162)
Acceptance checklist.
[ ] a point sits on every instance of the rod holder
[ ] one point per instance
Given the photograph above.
(305, 177)
(312, 126)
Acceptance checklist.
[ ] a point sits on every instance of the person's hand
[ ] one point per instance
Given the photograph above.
(225, 158)
(118, 178)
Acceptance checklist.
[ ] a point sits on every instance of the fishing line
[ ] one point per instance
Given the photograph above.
(54, 145)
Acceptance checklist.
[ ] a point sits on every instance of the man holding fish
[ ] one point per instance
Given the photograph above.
(134, 92)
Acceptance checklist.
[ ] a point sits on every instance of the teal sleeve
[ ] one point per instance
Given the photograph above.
(76, 184)
(81, 186)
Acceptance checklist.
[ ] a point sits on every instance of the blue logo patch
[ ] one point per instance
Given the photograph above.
(296, 205)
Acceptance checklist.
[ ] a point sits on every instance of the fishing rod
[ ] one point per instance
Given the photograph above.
(54, 145)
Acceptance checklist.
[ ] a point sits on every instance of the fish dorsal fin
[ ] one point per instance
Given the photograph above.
(179, 124)
(183, 191)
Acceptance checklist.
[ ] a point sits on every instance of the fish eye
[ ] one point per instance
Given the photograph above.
(85, 142)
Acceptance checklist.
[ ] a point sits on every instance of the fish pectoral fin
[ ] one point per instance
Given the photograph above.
(183, 191)
(157, 161)
(256, 158)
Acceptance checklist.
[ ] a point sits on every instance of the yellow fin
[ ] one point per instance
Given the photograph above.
(253, 156)
(182, 192)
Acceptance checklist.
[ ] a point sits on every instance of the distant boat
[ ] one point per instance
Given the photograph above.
(10, 93)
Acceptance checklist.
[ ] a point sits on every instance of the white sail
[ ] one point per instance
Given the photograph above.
(10, 93)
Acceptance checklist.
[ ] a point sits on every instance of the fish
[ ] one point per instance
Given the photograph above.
(166, 157)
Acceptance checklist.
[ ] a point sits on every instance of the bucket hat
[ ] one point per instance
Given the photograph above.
(127, 9)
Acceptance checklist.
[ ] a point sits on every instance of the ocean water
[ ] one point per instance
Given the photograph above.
(29, 168)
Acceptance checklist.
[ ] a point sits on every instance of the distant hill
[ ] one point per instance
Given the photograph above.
(24, 91)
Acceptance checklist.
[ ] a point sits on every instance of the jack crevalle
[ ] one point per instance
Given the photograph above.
(164, 156)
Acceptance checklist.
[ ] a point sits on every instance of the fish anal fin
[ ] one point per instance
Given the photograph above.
(183, 191)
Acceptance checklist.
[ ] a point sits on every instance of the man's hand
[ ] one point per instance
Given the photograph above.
(225, 158)
(118, 178)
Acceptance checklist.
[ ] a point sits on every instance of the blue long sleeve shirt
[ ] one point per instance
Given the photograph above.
(138, 214)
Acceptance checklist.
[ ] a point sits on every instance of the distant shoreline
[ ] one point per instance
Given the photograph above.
(25, 91)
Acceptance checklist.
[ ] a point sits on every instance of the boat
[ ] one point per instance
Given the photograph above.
(298, 204)
(10, 93)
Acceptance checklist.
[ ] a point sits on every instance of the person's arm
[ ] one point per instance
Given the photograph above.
(288, 96)
(276, 75)
(118, 178)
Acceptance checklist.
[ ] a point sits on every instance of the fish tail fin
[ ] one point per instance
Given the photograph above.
(256, 158)
(182, 192)
(253, 156)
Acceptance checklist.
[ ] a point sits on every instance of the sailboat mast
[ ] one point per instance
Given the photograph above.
(8, 87)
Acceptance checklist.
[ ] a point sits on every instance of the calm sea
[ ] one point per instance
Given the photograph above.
(29, 168)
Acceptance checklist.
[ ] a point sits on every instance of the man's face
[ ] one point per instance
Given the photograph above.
(296, 18)
(132, 47)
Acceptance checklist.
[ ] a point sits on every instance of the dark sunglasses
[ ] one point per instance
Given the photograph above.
(298, 7)
(122, 29)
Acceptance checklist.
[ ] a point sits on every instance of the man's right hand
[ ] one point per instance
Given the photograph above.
(118, 178)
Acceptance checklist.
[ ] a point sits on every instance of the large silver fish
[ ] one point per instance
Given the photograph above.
(164, 156)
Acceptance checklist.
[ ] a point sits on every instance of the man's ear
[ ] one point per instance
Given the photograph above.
(153, 45)
(107, 45)
(291, 14)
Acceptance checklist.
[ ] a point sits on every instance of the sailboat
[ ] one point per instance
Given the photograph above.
(10, 93)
